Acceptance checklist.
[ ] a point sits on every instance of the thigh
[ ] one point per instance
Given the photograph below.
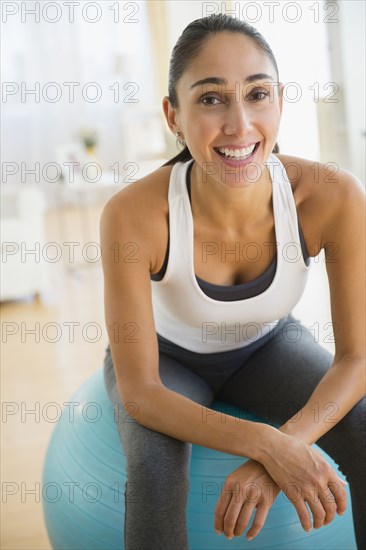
(174, 375)
(141, 444)
(279, 378)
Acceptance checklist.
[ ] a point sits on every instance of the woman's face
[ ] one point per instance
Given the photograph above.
(237, 114)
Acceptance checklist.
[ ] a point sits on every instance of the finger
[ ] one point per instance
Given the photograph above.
(337, 488)
(303, 513)
(328, 500)
(244, 517)
(329, 505)
(294, 495)
(260, 517)
(317, 509)
(342, 481)
(233, 512)
(220, 509)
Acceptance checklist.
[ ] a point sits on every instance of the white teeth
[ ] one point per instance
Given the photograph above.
(237, 153)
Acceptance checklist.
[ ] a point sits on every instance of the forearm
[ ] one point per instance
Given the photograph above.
(336, 394)
(173, 414)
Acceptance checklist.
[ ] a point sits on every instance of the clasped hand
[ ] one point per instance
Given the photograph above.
(293, 467)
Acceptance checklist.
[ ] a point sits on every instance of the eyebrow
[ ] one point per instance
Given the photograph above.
(218, 80)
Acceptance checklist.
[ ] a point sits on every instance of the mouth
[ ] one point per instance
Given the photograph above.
(237, 154)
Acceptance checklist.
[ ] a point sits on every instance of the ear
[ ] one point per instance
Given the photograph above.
(280, 95)
(170, 114)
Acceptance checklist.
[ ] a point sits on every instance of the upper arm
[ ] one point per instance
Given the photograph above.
(127, 297)
(344, 246)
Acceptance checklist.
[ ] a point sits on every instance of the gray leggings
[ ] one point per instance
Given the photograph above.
(273, 378)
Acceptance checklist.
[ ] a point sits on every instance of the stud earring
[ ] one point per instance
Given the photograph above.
(180, 141)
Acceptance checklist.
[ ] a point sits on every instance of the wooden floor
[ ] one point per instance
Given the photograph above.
(37, 373)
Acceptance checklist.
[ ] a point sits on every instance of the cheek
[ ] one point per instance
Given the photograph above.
(204, 127)
(268, 119)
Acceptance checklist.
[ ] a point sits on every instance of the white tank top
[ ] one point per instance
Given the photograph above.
(186, 316)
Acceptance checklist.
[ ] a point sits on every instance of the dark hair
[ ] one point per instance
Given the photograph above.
(188, 46)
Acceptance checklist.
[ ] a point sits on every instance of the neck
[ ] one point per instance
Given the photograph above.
(230, 208)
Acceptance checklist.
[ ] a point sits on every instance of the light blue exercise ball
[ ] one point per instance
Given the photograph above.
(84, 482)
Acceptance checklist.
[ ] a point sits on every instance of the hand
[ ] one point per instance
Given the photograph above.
(305, 477)
(246, 488)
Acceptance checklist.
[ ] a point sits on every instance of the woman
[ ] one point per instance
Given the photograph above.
(203, 261)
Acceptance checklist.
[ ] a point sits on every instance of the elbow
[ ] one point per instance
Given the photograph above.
(136, 404)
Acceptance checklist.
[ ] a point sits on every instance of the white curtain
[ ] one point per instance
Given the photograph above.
(113, 52)
(117, 51)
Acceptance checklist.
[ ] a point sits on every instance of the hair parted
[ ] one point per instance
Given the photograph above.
(189, 45)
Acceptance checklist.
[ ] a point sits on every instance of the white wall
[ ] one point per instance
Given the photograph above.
(352, 37)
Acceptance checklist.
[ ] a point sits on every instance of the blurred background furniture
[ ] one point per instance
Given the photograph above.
(24, 267)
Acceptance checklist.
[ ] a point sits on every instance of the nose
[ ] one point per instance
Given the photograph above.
(237, 119)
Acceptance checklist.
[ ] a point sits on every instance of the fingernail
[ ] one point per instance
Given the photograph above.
(250, 538)
(218, 532)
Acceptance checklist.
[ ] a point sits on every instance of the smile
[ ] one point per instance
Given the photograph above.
(238, 157)
(236, 154)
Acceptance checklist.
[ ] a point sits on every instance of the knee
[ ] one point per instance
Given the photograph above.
(352, 427)
(345, 442)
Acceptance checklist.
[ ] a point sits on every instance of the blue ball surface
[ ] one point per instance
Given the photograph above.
(84, 482)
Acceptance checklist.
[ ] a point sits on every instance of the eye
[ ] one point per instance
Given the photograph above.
(209, 97)
(258, 95)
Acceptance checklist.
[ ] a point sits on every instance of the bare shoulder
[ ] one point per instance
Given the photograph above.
(146, 195)
(314, 180)
(141, 209)
(323, 192)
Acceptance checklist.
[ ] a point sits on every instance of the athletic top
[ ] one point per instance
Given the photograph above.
(205, 317)
(232, 292)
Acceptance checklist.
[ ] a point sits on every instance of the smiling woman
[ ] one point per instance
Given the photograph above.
(192, 41)
(225, 236)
